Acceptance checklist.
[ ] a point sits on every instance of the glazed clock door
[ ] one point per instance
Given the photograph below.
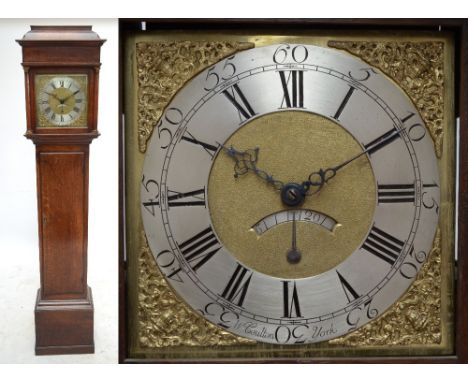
(290, 193)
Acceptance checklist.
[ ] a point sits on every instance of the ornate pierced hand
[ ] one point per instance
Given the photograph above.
(247, 161)
(293, 194)
(317, 179)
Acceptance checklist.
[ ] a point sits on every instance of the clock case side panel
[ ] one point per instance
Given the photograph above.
(127, 318)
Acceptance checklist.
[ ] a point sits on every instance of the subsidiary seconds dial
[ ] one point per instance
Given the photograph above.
(290, 193)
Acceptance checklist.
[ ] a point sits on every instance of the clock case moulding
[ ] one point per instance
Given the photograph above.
(138, 272)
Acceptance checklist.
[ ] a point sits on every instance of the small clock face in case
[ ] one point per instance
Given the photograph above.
(61, 100)
(290, 193)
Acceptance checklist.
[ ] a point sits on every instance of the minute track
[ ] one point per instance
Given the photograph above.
(243, 76)
(250, 312)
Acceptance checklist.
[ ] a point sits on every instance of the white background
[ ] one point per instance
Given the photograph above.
(19, 250)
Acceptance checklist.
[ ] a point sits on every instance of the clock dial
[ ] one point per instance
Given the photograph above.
(61, 100)
(290, 193)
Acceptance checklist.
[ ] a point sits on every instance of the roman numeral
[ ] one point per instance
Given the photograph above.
(236, 288)
(382, 141)
(198, 249)
(396, 193)
(344, 103)
(210, 149)
(192, 198)
(383, 245)
(350, 293)
(242, 105)
(295, 98)
(291, 307)
(178, 199)
(76, 109)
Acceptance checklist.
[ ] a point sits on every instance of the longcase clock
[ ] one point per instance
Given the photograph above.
(61, 66)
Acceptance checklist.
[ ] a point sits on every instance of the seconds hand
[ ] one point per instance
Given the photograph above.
(294, 255)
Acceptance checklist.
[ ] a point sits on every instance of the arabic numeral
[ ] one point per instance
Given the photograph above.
(226, 317)
(168, 262)
(371, 312)
(429, 202)
(283, 53)
(419, 256)
(227, 71)
(165, 258)
(174, 117)
(362, 74)
(354, 316)
(416, 131)
(409, 269)
(211, 77)
(152, 188)
(283, 334)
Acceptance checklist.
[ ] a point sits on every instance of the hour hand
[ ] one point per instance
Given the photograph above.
(52, 95)
(246, 161)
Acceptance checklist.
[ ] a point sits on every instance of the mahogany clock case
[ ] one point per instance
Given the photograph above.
(457, 30)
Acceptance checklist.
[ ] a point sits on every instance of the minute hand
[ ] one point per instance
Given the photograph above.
(318, 178)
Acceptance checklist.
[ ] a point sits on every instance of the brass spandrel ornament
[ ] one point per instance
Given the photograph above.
(164, 320)
(163, 68)
(417, 67)
(414, 320)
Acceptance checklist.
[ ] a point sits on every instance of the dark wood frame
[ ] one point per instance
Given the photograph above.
(460, 29)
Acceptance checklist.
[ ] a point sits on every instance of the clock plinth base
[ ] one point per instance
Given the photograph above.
(64, 326)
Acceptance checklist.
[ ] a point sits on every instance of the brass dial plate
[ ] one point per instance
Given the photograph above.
(390, 247)
(292, 144)
(61, 100)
